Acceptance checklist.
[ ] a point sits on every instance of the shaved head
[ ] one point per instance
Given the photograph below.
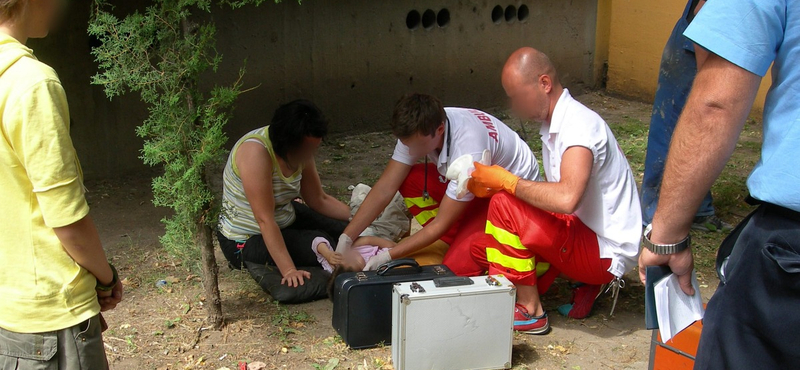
(527, 64)
(531, 82)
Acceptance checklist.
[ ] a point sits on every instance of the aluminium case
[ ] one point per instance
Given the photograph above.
(454, 327)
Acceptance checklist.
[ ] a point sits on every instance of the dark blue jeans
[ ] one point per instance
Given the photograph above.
(753, 319)
(308, 225)
(676, 75)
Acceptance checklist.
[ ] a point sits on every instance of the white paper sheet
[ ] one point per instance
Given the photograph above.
(676, 310)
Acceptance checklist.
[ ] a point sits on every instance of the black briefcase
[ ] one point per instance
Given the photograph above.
(362, 301)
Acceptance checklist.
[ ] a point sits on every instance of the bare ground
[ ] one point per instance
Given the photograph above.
(164, 328)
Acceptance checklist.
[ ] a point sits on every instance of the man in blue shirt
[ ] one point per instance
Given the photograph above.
(679, 64)
(753, 319)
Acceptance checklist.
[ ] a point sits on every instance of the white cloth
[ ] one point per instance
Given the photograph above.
(461, 170)
(610, 205)
(471, 132)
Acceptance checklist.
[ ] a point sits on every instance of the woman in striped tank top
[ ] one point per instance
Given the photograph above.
(266, 171)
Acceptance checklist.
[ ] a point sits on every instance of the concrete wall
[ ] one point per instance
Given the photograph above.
(354, 58)
(102, 130)
(637, 34)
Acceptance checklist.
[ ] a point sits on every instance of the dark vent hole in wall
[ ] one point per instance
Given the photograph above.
(523, 13)
(443, 18)
(412, 20)
(497, 14)
(511, 13)
(428, 19)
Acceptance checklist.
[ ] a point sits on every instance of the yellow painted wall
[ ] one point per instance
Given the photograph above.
(602, 39)
(636, 34)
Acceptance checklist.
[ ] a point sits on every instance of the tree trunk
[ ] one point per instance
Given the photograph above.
(210, 274)
(203, 238)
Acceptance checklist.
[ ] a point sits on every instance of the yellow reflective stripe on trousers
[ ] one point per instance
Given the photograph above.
(420, 202)
(504, 237)
(541, 267)
(511, 240)
(522, 265)
(425, 216)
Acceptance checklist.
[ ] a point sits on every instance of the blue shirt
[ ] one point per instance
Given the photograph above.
(753, 34)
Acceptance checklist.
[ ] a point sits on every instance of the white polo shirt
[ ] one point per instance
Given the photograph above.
(610, 205)
(471, 132)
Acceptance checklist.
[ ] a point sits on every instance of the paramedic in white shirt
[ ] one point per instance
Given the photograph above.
(585, 220)
(426, 130)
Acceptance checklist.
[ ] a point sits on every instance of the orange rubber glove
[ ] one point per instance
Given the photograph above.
(488, 180)
(481, 192)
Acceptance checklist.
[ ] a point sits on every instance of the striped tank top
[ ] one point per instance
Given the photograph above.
(236, 219)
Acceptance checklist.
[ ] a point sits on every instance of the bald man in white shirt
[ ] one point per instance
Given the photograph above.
(585, 220)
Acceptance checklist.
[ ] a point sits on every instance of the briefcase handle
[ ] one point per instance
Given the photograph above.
(391, 265)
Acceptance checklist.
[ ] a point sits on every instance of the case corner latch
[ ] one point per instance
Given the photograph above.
(416, 288)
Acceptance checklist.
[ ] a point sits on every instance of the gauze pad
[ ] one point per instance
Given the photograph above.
(461, 169)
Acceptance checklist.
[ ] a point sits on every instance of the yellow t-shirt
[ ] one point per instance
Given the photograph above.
(41, 187)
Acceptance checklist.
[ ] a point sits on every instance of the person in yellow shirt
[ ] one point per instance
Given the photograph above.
(56, 278)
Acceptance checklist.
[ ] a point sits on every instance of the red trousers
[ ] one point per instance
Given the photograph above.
(470, 225)
(524, 233)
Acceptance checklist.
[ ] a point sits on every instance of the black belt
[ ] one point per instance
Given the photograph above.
(774, 208)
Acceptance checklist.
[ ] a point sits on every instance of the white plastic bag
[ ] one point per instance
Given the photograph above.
(460, 170)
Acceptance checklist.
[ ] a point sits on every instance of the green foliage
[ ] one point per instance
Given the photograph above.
(330, 365)
(160, 53)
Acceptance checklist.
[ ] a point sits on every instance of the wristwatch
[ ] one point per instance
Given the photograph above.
(665, 248)
(114, 281)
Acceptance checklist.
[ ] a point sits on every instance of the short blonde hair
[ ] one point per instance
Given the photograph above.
(9, 8)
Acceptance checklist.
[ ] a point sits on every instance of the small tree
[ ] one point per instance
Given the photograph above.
(161, 53)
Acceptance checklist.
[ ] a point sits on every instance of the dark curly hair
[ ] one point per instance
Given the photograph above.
(292, 123)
